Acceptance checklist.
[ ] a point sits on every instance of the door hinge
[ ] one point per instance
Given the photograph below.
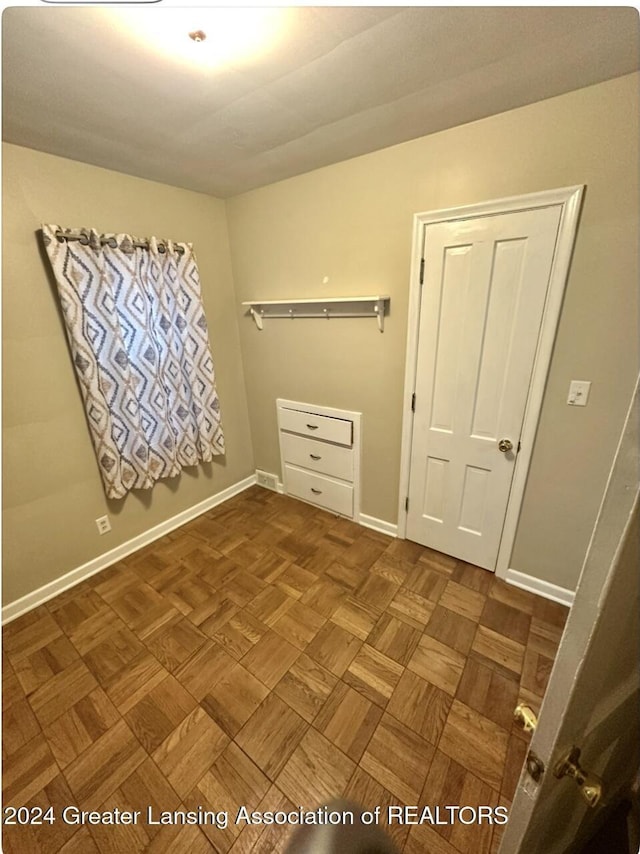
(518, 448)
(413, 402)
(406, 504)
(422, 271)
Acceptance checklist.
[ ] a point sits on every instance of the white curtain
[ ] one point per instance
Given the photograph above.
(139, 342)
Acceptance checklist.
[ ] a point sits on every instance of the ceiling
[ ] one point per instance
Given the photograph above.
(330, 84)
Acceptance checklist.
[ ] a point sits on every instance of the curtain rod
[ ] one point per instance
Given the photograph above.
(111, 241)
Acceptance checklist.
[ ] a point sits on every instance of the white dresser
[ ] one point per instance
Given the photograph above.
(320, 455)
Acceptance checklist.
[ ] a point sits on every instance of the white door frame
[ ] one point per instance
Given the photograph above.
(569, 198)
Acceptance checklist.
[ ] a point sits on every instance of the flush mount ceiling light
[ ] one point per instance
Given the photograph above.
(217, 36)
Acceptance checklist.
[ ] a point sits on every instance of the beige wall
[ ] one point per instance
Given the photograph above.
(352, 222)
(52, 489)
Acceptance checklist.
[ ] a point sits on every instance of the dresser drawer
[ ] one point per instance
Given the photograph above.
(317, 426)
(319, 490)
(321, 457)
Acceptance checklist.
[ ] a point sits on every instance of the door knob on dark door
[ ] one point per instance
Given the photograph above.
(505, 445)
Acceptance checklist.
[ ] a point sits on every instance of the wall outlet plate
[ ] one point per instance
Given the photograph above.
(269, 481)
(103, 525)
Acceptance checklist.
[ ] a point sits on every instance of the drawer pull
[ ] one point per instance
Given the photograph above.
(315, 457)
(316, 491)
(313, 426)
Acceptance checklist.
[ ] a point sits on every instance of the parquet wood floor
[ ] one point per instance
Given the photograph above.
(271, 655)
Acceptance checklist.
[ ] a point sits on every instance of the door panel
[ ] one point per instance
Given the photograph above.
(486, 280)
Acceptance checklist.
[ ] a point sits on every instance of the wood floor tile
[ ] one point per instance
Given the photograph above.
(451, 629)
(110, 655)
(398, 759)
(512, 596)
(273, 839)
(266, 646)
(346, 576)
(213, 614)
(516, 754)
(148, 787)
(506, 620)
(324, 597)
(204, 669)
(428, 583)
(159, 712)
(376, 591)
(316, 772)
(36, 669)
(411, 608)
(190, 750)
(234, 699)
(240, 634)
(11, 689)
(299, 625)
(76, 729)
(423, 838)
(174, 642)
(27, 638)
(438, 664)
(47, 836)
(536, 670)
(61, 692)
(271, 735)
(420, 706)
(356, 617)
(480, 580)
(392, 568)
(449, 783)
(95, 629)
(134, 681)
(499, 649)
(295, 580)
(305, 687)
(544, 638)
(394, 638)
(374, 675)
(475, 742)
(270, 605)
(348, 720)
(232, 780)
(270, 658)
(369, 794)
(243, 588)
(550, 612)
(31, 768)
(334, 648)
(268, 567)
(19, 725)
(104, 766)
(489, 692)
(462, 600)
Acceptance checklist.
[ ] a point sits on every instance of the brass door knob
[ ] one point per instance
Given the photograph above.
(590, 785)
(505, 445)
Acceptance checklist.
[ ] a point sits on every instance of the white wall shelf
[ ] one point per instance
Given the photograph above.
(328, 308)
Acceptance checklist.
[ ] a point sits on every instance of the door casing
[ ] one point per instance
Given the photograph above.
(569, 199)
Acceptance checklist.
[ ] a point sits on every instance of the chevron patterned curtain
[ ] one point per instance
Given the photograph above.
(139, 342)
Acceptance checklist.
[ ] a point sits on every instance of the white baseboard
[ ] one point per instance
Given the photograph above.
(378, 525)
(540, 587)
(75, 576)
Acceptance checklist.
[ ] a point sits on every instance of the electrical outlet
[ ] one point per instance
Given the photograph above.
(103, 524)
(269, 481)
